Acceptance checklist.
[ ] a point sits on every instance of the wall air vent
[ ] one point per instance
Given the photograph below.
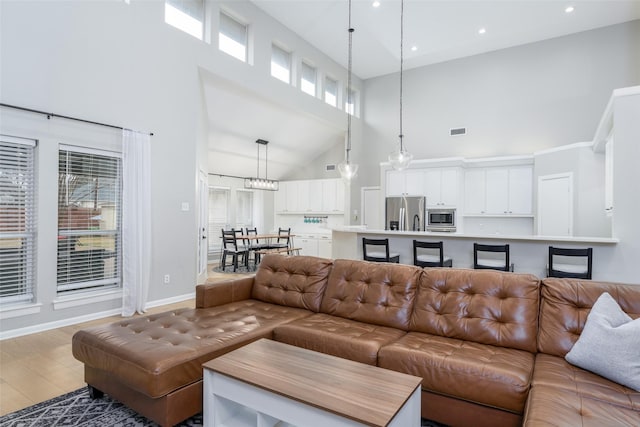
(330, 168)
(457, 131)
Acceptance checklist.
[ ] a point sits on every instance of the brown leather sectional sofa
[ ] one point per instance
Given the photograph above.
(489, 345)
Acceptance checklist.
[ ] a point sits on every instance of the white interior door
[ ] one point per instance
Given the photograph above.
(203, 199)
(371, 208)
(555, 205)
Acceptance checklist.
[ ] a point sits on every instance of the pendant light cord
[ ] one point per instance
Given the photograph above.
(401, 65)
(349, 100)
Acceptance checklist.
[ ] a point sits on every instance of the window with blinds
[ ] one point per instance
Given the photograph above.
(331, 91)
(89, 214)
(218, 216)
(280, 64)
(232, 37)
(244, 209)
(17, 220)
(186, 15)
(308, 79)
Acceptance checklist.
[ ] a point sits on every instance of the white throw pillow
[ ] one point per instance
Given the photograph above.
(609, 344)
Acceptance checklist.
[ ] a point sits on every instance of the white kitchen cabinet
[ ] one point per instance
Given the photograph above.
(406, 182)
(441, 187)
(332, 200)
(474, 191)
(308, 245)
(316, 196)
(325, 247)
(499, 191)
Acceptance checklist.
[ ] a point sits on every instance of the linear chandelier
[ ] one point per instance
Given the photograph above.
(258, 183)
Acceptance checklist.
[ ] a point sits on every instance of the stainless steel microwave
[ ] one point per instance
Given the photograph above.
(441, 220)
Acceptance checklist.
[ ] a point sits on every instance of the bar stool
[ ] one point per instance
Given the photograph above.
(429, 259)
(491, 263)
(581, 270)
(378, 253)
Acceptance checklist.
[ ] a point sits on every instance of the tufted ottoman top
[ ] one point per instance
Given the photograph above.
(160, 353)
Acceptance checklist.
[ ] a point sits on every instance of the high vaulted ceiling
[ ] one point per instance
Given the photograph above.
(440, 29)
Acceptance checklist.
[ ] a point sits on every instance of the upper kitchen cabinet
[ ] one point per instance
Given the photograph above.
(409, 182)
(441, 187)
(499, 191)
(319, 196)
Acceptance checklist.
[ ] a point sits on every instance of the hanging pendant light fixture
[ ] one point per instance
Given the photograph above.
(347, 169)
(400, 158)
(258, 183)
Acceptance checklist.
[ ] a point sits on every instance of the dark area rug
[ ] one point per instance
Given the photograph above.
(77, 409)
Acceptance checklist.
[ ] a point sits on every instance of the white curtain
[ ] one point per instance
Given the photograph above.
(136, 221)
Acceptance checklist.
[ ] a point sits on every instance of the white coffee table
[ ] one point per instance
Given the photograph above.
(269, 384)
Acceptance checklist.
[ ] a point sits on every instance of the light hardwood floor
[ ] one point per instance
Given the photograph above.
(40, 366)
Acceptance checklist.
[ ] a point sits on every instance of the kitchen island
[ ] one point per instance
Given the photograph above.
(529, 254)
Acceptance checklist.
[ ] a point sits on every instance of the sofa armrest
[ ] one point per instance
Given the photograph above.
(215, 294)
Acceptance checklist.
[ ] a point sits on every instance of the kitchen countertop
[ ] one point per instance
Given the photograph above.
(462, 235)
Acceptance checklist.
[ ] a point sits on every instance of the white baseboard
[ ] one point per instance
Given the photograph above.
(42, 327)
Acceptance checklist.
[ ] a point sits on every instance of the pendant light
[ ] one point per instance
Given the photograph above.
(400, 158)
(347, 169)
(265, 183)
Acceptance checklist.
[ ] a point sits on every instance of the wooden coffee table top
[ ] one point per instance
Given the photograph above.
(363, 393)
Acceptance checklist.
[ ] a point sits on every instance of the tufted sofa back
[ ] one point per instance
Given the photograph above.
(296, 282)
(565, 305)
(484, 306)
(377, 293)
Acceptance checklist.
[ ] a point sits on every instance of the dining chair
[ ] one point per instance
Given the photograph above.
(378, 250)
(284, 239)
(566, 268)
(230, 247)
(424, 255)
(487, 261)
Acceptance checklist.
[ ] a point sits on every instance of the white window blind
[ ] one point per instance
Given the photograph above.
(89, 214)
(186, 15)
(308, 79)
(232, 37)
(331, 92)
(280, 64)
(218, 216)
(244, 209)
(17, 220)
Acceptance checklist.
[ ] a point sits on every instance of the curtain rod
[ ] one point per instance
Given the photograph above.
(49, 115)
(227, 176)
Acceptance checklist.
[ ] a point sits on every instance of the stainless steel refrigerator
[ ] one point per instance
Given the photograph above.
(405, 213)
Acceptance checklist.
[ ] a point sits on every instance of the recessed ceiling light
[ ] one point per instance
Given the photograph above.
(414, 48)
(482, 30)
(376, 4)
(569, 9)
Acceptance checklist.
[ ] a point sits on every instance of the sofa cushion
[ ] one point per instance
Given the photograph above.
(337, 336)
(565, 305)
(479, 373)
(609, 344)
(159, 353)
(377, 293)
(483, 306)
(554, 371)
(294, 282)
(552, 406)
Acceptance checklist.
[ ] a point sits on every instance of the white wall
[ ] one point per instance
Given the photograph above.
(102, 61)
(513, 101)
(119, 63)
